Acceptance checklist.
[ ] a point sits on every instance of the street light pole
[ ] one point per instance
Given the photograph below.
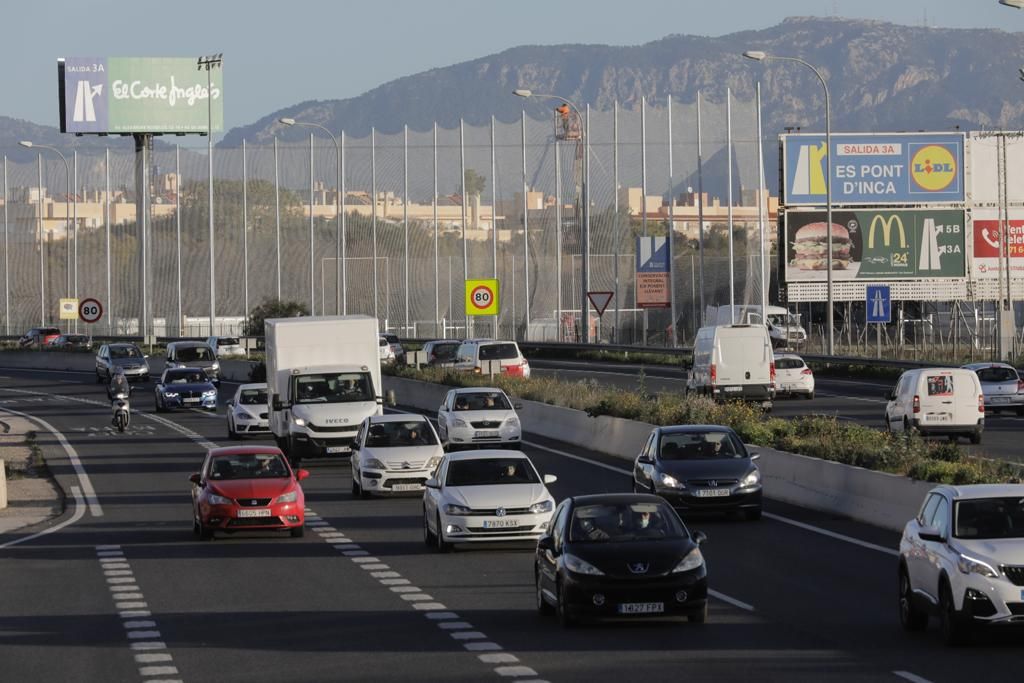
(759, 56)
(584, 210)
(67, 207)
(210, 63)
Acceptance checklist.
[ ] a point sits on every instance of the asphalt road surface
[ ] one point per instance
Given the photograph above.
(124, 592)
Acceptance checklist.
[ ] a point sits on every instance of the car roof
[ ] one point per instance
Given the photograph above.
(191, 368)
(244, 450)
(788, 355)
(686, 429)
(124, 344)
(253, 385)
(397, 417)
(486, 454)
(616, 498)
(477, 390)
(444, 341)
(982, 366)
(188, 343)
(982, 491)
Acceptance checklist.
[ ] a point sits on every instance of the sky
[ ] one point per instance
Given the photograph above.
(281, 53)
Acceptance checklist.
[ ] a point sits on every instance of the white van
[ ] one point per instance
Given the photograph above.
(733, 362)
(937, 401)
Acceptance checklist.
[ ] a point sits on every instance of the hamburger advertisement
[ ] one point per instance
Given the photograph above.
(873, 244)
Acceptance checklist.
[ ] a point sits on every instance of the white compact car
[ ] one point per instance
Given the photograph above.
(478, 417)
(247, 411)
(394, 454)
(1001, 385)
(486, 495)
(792, 376)
(962, 560)
(387, 354)
(226, 347)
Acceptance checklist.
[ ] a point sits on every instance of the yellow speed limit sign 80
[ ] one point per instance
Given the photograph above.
(481, 297)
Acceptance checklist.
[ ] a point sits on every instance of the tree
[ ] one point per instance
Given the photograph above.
(474, 183)
(272, 308)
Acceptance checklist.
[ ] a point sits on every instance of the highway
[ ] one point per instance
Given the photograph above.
(125, 592)
(859, 400)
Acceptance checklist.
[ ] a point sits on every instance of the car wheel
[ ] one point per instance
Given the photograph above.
(363, 493)
(159, 405)
(975, 437)
(195, 525)
(953, 628)
(544, 608)
(752, 514)
(232, 434)
(564, 614)
(809, 396)
(911, 617)
(442, 545)
(428, 535)
(1020, 412)
(700, 617)
(99, 378)
(298, 532)
(907, 429)
(205, 532)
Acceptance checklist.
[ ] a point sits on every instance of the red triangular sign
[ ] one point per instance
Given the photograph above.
(600, 300)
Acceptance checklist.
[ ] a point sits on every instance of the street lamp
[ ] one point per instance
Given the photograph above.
(759, 56)
(67, 207)
(210, 63)
(584, 213)
(341, 285)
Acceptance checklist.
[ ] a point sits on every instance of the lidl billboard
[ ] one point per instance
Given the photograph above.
(875, 169)
(138, 95)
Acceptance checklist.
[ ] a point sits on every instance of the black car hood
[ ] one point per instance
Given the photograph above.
(655, 558)
(195, 386)
(710, 468)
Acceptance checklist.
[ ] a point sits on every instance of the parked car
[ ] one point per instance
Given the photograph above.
(38, 337)
(483, 496)
(387, 354)
(473, 353)
(478, 417)
(733, 362)
(247, 488)
(937, 401)
(962, 560)
(225, 346)
(1001, 385)
(396, 347)
(441, 352)
(185, 388)
(193, 354)
(246, 412)
(792, 376)
(620, 555)
(127, 356)
(699, 468)
(70, 342)
(394, 454)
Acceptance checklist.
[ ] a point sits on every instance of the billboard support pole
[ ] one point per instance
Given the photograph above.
(143, 144)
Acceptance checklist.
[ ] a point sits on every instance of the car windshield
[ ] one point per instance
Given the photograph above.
(248, 466)
(699, 446)
(185, 376)
(399, 434)
(617, 522)
(193, 353)
(125, 352)
(498, 351)
(392, 338)
(76, 338)
(989, 518)
(491, 471)
(227, 341)
(333, 387)
(445, 351)
(482, 400)
(253, 397)
(788, 363)
(997, 374)
(382, 342)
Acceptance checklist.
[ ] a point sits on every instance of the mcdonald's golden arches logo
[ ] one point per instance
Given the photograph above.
(887, 224)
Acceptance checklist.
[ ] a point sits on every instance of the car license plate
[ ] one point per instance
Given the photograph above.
(192, 400)
(712, 493)
(641, 608)
(1000, 399)
(788, 387)
(733, 389)
(259, 512)
(405, 487)
(485, 435)
(939, 417)
(339, 449)
(500, 523)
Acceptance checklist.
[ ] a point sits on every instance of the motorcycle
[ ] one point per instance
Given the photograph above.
(122, 412)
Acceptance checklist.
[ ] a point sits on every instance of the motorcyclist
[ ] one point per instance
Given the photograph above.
(118, 384)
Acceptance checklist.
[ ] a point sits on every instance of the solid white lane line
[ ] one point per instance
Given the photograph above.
(833, 534)
(913, 678)
(76, 493)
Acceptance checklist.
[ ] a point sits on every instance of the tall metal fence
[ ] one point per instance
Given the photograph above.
(409, 232)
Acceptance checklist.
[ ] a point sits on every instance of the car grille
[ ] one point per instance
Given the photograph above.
(340, 428)
(386, 484)
(712, 483)
(255, 521)
(1014, 574)
(190, 394)
(1016, 608)
(492, 512)
(253, 502)
(486, 424)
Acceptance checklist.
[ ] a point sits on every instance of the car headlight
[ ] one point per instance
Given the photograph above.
(669, 481)
(374, 464)
(459, 422)
(752, 479)
(693, 559)
(242, 415)
(212, 393)
(434, 462)
(512, 422)
(219, 500)
(171, 394)
(299, 422)
(288, 497)
(543, 506)
(215, 366)
(575, 564)
(970, 565)
(452, 509)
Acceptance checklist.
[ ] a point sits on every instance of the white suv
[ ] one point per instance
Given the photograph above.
(962, 559)
(473, 354)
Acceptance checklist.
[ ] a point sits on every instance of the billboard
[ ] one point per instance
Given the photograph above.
(138, 95)
(652, 273)
(875, 169)
(875, 244)
(987, 235)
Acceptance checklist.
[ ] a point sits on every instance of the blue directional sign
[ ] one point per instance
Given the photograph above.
(879, 304)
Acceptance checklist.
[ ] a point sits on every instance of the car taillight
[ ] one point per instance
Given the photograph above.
(981, 402)
(1020, 386)
(806, 371)
(714, 373)
(917, 404)
(771, 373)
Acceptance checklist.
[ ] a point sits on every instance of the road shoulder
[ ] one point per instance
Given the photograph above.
(33, 495)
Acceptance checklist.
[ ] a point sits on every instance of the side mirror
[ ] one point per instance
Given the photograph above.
(390, 397)
(230, 403)
(196, 479)
(550, 479)
(545, 543)
(275, 402)
(355, 445)
(432, 483)
(891, 396)
(699, 537)
(301, 474)
(645, 459)
(929, 533)
(755, 456)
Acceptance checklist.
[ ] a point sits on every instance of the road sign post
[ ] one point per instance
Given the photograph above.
(600, 301)
(878, 310)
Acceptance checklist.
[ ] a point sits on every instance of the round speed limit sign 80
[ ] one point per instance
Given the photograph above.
(90, 310)
(481, 297)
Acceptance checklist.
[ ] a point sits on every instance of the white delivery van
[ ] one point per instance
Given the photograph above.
(784, 328)
(323, 379)
(733, 362)
(946, 401)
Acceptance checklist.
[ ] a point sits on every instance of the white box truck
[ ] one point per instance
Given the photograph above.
(323, 378)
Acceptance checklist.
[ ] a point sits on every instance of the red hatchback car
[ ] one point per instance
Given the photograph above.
(247, 488)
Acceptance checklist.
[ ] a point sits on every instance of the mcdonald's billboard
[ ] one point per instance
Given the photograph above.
(875, 244)
(138, 95)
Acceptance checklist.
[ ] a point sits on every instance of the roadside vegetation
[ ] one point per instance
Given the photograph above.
(818, 436)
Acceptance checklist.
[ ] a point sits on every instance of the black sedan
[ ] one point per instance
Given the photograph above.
(620, 555)
(185, 388)
(699, 468)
